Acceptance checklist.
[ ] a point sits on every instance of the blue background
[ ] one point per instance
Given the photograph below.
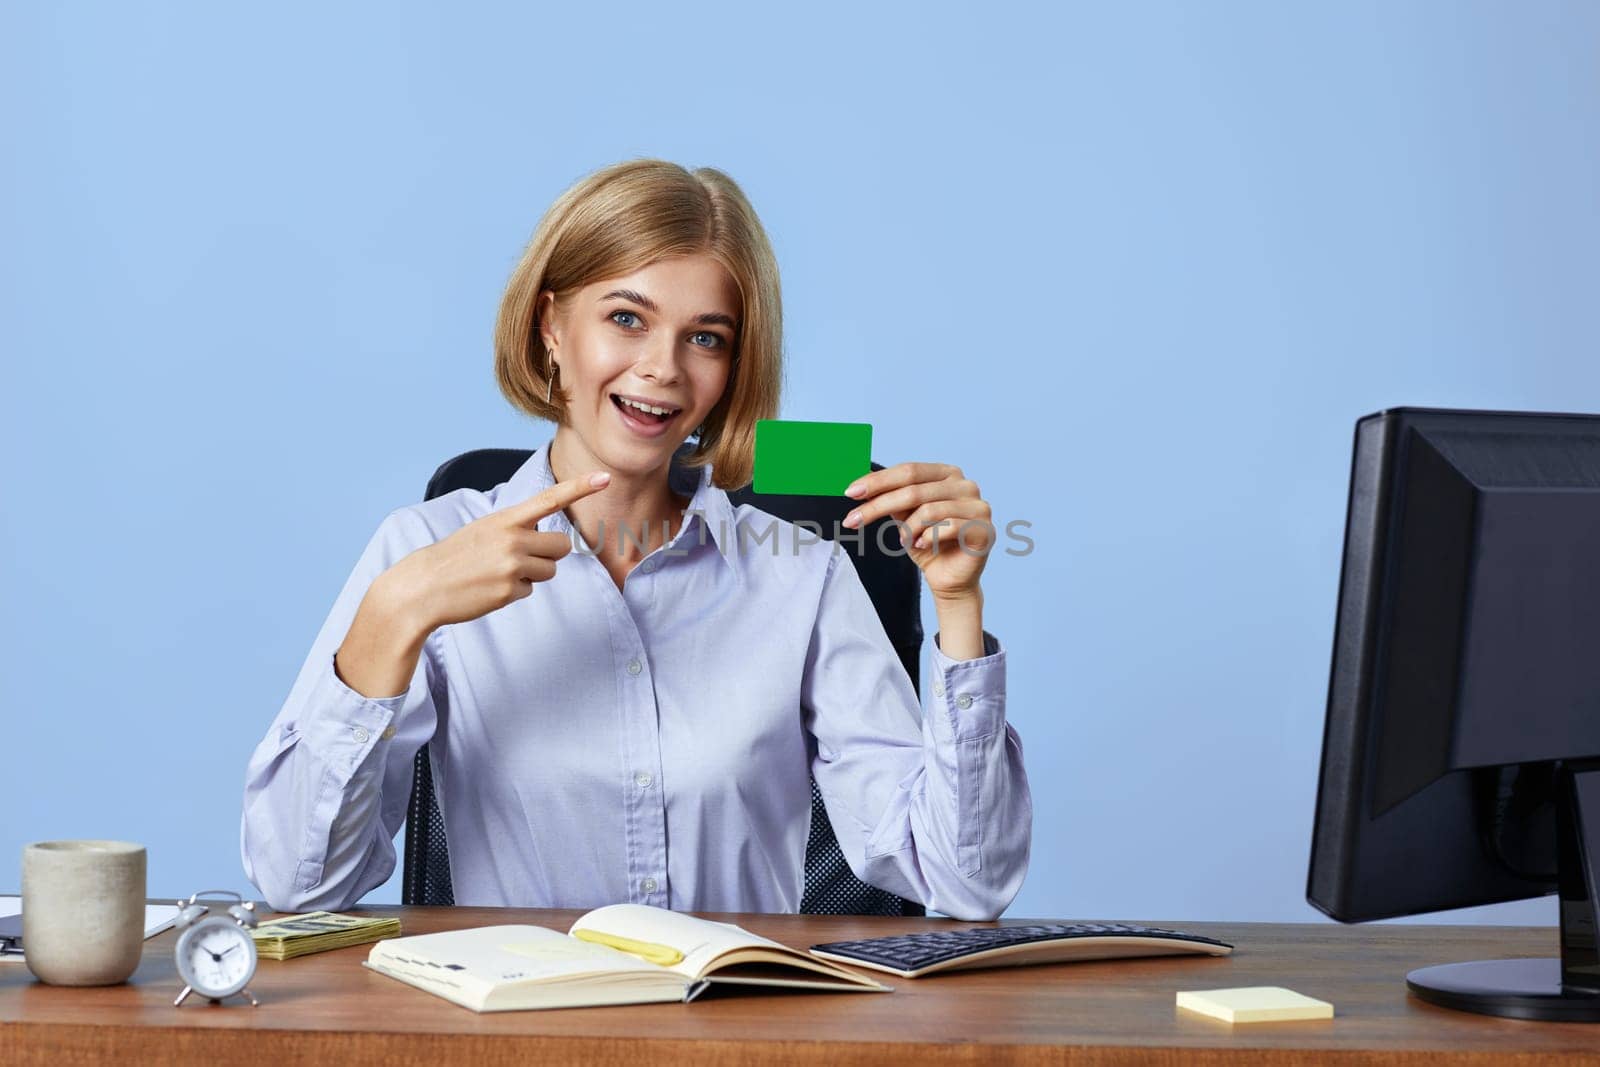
(1137, 268)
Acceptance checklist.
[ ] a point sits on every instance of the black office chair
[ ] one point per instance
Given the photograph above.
(892, 582)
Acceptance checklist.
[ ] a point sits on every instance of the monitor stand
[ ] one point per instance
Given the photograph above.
(1565, 989)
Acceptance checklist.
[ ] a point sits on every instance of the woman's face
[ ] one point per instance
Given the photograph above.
(662, 336)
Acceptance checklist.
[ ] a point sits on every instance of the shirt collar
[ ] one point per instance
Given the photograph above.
(710, 512)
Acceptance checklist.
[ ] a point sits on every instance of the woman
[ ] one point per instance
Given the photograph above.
(637, 720)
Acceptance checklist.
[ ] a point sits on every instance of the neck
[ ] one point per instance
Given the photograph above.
(631, 517)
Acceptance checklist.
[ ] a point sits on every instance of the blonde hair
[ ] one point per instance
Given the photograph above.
(621, 219)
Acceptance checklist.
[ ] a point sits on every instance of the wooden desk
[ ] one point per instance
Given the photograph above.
(328, 1008)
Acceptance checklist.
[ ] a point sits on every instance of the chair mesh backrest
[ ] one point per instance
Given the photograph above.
(892, 582)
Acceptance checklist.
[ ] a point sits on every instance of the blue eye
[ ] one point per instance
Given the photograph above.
(629, 320)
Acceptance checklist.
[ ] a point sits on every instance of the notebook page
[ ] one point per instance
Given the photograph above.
(700, 940)
(502, 954)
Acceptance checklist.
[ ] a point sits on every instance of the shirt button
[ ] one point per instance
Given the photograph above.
(360, 734)
(642, 779)
(648, 885)
(938, 688)
(963, 702)
(634, 666)
(649, 566)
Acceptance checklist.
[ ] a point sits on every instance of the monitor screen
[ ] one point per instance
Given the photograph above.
(1465, 689)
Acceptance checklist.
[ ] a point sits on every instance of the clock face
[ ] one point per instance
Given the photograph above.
(216, 956)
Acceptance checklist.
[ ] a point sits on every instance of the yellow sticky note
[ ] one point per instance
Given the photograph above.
(662, 955)
(1255, 1004)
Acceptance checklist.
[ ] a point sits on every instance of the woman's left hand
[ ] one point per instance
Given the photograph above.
(920, 495)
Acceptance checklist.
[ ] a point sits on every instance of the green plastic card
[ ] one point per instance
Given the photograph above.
(810, 458)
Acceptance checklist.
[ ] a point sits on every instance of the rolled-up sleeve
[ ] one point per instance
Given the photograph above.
(937, 811)
(326, 789)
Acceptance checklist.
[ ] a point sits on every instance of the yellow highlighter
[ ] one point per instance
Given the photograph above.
(663, 955)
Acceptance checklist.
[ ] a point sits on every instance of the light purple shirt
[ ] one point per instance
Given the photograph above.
(648, 744)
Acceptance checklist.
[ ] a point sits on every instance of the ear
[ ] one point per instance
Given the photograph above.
(544, 313)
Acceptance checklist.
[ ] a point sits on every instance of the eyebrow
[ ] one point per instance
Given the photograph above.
(710, 318)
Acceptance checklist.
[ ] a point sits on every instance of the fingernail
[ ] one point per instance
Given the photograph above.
(851, 519)
(599, 478)
(855, 490)
(922, 542)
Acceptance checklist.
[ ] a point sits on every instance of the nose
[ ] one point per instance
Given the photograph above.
(659, 363)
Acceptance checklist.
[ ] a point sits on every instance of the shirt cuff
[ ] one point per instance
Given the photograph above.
(349, 725)
(967, 697)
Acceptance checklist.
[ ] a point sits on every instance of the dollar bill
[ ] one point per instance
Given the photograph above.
(289, 936)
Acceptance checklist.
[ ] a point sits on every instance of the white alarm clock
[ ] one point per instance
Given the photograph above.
(216, 955)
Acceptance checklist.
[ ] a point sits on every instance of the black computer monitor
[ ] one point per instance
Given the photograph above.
(1461, 754)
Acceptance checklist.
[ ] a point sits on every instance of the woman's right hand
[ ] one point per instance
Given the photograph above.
(489, 562)
(480, 568)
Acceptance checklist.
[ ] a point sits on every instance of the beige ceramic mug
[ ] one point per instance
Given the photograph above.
(83, 911)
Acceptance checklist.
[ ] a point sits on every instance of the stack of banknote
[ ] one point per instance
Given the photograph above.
(298, 935)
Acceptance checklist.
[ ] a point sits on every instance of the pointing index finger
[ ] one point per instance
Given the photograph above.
(556, 497)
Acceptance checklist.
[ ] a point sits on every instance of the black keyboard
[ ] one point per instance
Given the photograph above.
(911, 955)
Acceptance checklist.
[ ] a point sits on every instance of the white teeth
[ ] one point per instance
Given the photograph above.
(644, 407)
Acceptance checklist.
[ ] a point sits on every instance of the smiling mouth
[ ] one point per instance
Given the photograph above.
(652, 413)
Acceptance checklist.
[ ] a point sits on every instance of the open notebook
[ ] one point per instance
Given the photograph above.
(619, 954)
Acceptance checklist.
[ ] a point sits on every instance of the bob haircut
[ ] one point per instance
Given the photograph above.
(621, 219)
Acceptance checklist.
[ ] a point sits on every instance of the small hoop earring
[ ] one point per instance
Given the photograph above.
(550, 382)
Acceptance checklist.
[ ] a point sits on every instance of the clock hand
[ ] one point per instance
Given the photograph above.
(229, 949)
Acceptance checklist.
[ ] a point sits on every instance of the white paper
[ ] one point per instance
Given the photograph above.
(157, 917)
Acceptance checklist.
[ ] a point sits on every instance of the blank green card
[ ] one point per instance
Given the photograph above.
(810, 458)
